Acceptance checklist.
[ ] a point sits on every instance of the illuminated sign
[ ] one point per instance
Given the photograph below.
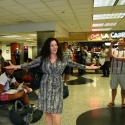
(112, 35)
(94, 36)
(117, 35)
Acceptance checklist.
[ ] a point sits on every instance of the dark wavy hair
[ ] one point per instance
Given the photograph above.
(45, 51)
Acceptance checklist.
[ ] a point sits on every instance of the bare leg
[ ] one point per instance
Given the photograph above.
(122, 95)
(56, 119)
(114, 92)
(66, 78)
(19, 95)
(49, 118)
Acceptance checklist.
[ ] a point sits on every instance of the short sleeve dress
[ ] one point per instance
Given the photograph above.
(50, 98)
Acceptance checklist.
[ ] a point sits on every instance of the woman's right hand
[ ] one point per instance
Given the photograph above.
(11, 66)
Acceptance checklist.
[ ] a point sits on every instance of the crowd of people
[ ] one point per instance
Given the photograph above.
(56, 61)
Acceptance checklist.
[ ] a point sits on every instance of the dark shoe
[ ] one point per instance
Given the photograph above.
(107, 76)
(103, 76)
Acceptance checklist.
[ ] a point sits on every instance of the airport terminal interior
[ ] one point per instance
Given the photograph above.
(26, 24)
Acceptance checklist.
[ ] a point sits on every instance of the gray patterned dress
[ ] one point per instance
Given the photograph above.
(50, 98)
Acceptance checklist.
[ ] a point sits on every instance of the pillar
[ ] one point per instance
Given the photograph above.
(21, 48)
(41, 38)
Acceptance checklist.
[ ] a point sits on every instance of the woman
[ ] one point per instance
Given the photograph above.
(51, 86)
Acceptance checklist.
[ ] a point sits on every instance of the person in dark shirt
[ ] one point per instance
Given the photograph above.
(81, 59)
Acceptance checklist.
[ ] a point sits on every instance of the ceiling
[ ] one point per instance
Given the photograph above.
(75, 16)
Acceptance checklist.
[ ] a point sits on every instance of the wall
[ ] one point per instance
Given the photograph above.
(6, 52)
(34, 50)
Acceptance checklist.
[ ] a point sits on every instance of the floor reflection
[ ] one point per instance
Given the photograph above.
(103, 116)
(79, 80)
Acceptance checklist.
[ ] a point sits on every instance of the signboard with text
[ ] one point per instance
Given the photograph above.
(105, 36)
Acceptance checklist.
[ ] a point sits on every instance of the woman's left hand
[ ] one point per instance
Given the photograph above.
(93, 67)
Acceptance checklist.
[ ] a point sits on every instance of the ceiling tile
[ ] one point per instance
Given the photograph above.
(80, 1)
(57, 3)
(5, 3)
(39, 10)
(81, 6)
(35, 5)
(27, 1)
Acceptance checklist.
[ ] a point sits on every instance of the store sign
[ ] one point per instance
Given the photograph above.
(112, 35)
(117, 35)
(94, 36)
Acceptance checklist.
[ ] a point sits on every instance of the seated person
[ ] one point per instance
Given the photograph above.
(6, 79)
(29, 71)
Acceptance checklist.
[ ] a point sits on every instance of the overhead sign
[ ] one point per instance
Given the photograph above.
(107, 36)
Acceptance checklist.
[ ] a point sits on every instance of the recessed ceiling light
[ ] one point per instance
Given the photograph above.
(102, 29)
(28, 38)
(97, 25)
(121, 2)
(110, 24)
(100, 3)
(12, 36)
(108, 16)
(32, 34)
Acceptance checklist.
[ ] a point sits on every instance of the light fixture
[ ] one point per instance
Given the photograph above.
(108, 16)
(97, 25)
(121, 2)
(32, 34)
(28, 38)
(100, 3)
(110, 24)
(102, 29)
(12, 36)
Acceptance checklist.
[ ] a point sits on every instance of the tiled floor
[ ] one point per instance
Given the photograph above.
(82, 98)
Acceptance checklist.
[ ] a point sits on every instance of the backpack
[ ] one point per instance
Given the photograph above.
(24, 114)
(65, 91)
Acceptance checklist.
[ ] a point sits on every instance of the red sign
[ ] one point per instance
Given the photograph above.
(94, 36)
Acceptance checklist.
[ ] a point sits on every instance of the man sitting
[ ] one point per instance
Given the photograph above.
(6, 94)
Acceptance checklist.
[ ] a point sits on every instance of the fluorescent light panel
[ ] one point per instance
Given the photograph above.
(97, 25)
(102, 29)
(103, 24)
(110, 24)
(12, 36)
(100, 3)
(32, 34)
(108, 16)
(121, 2)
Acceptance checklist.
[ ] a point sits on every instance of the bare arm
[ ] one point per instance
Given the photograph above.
(119, 58)
(1, 89)
(25, 87)
(110, 50)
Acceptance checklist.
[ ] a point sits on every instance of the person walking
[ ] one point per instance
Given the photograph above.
(50, 98)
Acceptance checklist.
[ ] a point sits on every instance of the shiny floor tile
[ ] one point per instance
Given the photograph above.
(82, 98)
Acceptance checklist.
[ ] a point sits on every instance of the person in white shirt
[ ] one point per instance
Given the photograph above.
(66, 52)
(105, 67)
(6, 94)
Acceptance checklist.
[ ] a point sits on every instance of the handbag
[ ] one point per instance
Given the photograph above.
(27, 79)
(21, 114)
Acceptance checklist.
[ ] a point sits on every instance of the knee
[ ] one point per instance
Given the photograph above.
(54, 115)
